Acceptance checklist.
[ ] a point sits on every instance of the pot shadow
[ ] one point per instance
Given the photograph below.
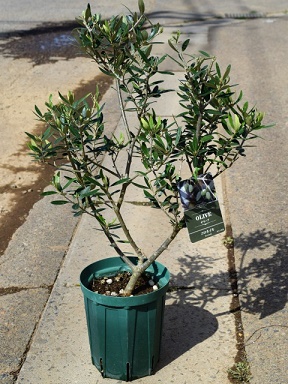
(263, 271)
(187, 322)
(184, 327)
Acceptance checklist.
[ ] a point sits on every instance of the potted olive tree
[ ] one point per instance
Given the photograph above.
(124, 296)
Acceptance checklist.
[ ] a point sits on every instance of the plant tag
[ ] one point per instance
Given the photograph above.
(201, 207)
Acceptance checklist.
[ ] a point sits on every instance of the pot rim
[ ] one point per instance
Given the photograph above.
(113, 265)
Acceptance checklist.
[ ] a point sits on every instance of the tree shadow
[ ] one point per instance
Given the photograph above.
(263, 280)
(198, 280)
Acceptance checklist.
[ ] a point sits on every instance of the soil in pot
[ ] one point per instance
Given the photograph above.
(114, 285)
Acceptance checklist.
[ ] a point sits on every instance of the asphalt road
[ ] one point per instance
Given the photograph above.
(36, 59)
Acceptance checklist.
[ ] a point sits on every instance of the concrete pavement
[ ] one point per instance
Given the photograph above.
(199, 342)
(257, 197)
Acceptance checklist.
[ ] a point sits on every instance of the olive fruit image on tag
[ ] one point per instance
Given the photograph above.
(201, 207)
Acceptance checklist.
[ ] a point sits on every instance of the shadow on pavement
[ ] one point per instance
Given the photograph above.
(180, 17)
(51, 42)
(199, 282)
(187, 320)
(184, 327)
(263, 281)
(46, 44)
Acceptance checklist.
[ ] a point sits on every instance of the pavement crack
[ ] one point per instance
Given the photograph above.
(12, 290)
(235, 306)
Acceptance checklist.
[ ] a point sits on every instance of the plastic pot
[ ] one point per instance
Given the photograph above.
(124, 332)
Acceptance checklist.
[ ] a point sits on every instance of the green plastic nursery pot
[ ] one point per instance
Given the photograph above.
(124, 332)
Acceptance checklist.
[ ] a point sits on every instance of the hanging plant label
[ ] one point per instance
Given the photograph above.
(201, 207)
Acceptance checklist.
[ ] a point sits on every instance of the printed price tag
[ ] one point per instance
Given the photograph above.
(201, 207)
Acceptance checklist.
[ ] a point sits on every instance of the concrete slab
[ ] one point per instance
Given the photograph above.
(20, 312)
(24, 15)
(32, 259)
(198, 9)
(257, 197)
(28, 271)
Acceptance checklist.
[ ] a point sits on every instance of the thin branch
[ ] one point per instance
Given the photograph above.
(126, 231)
(121, 104)
(101, 166)
(199, 124)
